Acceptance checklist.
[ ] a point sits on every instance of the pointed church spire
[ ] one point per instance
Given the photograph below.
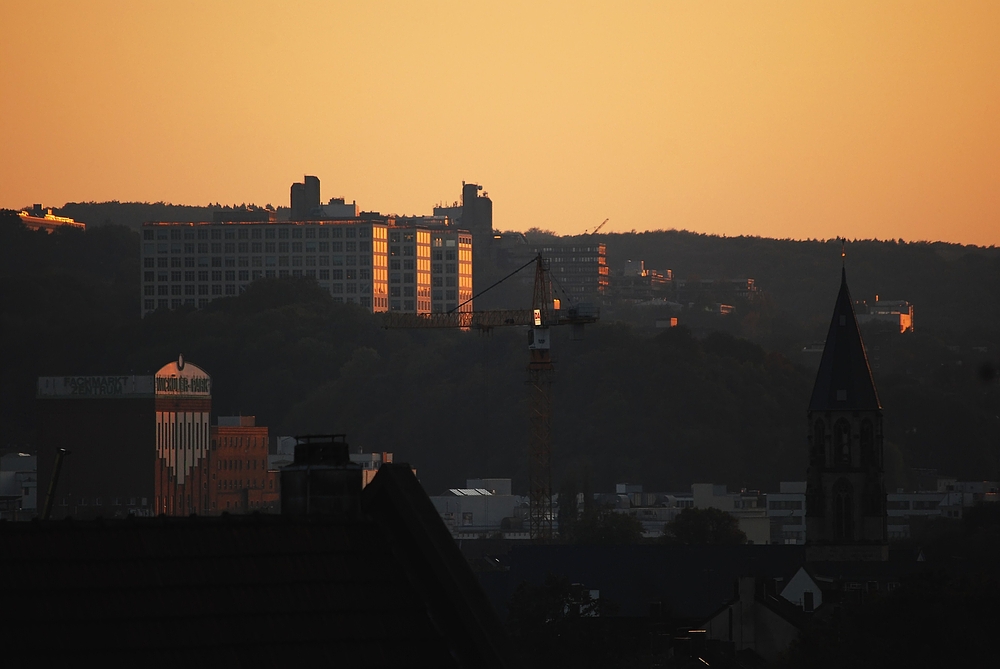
(844, 380)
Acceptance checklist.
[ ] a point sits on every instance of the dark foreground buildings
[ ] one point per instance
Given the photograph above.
(380, 583)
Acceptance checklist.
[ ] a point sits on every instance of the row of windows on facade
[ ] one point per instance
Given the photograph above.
(219, 290)
(576, 269)
(245, 484)
(255, 232)
(216, 248)
(436, 295)
(201, 303)
(229, 232)
(176, 264)
(205, 505)
(203, 275)
(407, 305)
(248, 275)
(917, 505)
(557, 260)
(784, 504)
(97, 501)
(261, 261)
(237, 465)
(204, 248)
(554, 250)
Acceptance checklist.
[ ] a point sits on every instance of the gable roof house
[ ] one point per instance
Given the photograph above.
(378, 582)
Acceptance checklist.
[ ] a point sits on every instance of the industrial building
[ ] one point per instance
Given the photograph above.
(37, 218)
(484, 506)
(578, 267)
(191, 264)
(242, 481)
(146, 445)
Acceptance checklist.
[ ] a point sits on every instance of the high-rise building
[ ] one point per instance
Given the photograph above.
(191, 264)
(304, 198)
(410, 270)
(475, 214)
(451, 270)
(845, 491)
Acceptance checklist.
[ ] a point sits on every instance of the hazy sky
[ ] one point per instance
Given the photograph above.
(787, 119)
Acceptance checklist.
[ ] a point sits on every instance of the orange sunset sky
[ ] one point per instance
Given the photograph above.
(783, 119)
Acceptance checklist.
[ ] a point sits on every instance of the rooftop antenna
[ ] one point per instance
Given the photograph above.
(843, 253)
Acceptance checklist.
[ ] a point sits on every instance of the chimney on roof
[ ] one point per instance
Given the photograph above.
(321, 480)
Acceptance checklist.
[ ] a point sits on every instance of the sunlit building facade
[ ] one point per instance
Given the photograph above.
(191, 264)
(410, 270)
(242, 481)
(37, 218)
(451, 270)
(146, 445)
(183, 395)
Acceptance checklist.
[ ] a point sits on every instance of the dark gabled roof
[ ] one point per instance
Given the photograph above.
(436, 568)
(844, 380)
(386, 588)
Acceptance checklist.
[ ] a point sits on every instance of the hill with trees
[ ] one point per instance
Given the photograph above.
(664, 409)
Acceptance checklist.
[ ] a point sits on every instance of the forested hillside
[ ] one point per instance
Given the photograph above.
(955, 289)
(662, 409)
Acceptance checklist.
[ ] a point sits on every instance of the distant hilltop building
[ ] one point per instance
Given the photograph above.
(38, 219)
(891, 313)
(475, 214)
(191, 264)
(372, 262)
(383, 263)
(244, 213)
(578, 266)
(304, 198)
(305, 203)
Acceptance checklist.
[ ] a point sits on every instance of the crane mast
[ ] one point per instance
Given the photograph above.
(540, 371)
(544, 314)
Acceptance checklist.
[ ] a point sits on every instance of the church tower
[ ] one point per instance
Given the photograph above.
(845, 491)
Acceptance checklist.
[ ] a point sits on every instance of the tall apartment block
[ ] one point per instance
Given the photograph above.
(304, 198)
(449, 263)
(474, 214)
(451, 270)
(410, 270)
(191, 264)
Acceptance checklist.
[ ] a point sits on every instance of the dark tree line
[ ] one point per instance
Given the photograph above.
(664, 409)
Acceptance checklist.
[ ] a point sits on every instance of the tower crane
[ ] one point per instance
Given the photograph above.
(544, 314)
(597, 229)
